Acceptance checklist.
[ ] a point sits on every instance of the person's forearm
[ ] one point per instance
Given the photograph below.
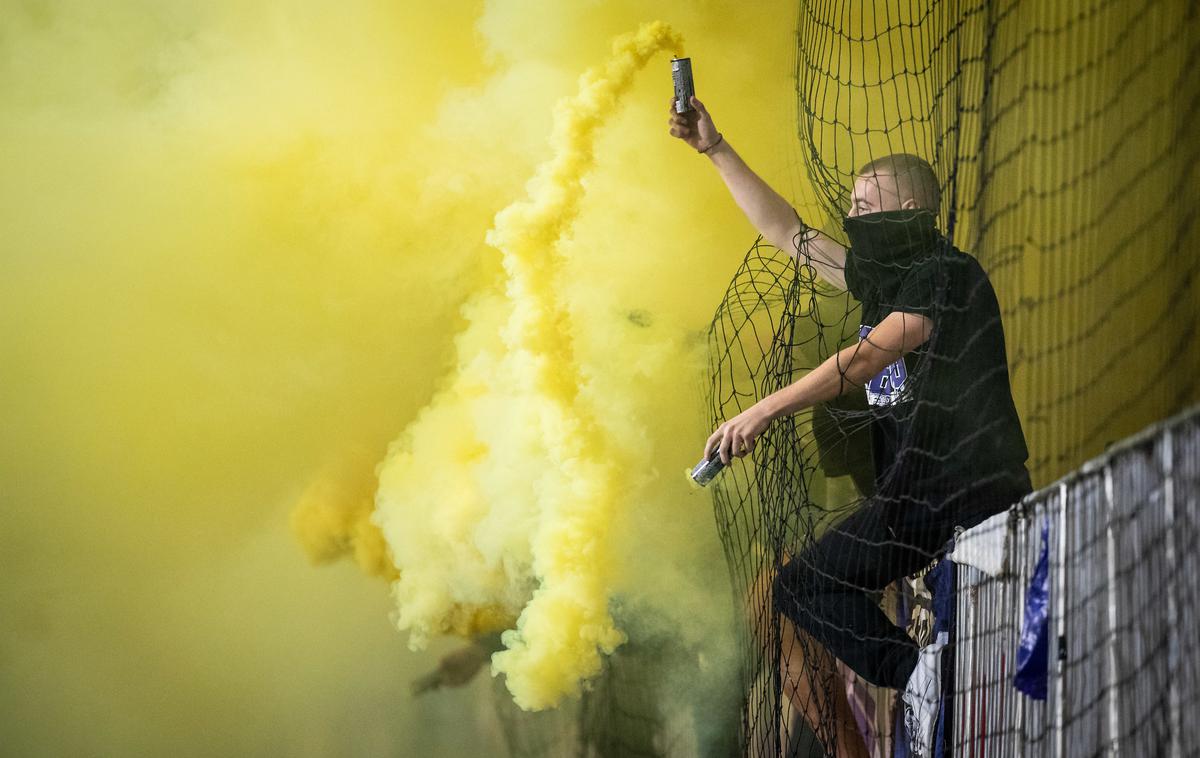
(851, 367)
(768, 211)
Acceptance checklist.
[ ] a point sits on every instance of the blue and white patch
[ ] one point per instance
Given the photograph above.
(887, 387)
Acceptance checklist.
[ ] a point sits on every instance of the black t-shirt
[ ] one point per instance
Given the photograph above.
(943, 415)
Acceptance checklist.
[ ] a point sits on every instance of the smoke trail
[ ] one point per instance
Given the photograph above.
(497, 501)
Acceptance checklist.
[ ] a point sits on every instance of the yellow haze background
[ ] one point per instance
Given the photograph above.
(236, 241)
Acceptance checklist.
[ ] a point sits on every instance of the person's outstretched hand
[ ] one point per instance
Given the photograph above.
(737, 437)
(695, 127)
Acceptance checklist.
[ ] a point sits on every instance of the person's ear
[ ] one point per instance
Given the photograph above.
(908, 204)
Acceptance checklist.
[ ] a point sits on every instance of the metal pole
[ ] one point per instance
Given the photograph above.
(1060, 624)
(1114, 721)
(964, 662)
(1020, 547)
(1174, 707)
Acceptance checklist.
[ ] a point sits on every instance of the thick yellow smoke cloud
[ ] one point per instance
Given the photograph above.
(237, 242)
(506, 483)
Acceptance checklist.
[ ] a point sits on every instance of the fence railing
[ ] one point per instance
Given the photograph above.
(1123, 536)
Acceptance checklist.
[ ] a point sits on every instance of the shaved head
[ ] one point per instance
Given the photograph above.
(909, 179)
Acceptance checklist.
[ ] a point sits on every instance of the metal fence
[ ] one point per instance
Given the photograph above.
(1124, 559)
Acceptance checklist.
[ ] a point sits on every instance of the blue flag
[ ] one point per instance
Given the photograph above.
(1033, 654)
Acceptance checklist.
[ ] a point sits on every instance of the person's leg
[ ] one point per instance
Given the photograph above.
(814, 686)
(811, 682)
(824, 590)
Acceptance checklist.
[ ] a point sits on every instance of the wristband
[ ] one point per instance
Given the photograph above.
(716, 142)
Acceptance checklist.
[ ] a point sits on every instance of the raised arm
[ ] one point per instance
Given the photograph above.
(773, 216)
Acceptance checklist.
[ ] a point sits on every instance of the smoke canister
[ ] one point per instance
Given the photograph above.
(681, 73)
(707, 469)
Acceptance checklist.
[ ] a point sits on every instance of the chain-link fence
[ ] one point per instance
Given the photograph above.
(1124, 579)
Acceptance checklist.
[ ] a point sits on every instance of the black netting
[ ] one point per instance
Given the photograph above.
(1060, 138)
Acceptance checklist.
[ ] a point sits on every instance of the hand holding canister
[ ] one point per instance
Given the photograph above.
(707, 469)
(689, 119)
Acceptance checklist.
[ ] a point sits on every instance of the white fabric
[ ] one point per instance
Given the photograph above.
(922, 698)
(984, 546)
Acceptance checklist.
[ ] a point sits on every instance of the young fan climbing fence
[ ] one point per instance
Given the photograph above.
(1050, 145)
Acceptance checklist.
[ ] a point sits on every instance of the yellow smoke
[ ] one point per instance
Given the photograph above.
(333, 517)
(503, 491)
(238, 239)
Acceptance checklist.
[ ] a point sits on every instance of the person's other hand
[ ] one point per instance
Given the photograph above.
(454, 669)
(738, 436)
(696, 127)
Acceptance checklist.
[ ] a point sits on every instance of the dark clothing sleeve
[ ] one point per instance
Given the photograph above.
(921, 288)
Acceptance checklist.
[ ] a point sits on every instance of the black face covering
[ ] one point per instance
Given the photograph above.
(885, 246)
